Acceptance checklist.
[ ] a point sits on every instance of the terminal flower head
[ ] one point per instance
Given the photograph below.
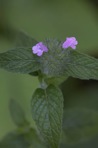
(39, 49)
(70, 42)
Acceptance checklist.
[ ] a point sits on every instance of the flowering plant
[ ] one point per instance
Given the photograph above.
(52, 61)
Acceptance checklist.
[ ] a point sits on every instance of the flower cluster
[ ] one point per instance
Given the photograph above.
(40, 48)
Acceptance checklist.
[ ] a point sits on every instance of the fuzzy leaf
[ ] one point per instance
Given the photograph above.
(47, 111)
(82, 66)
(56, 80)
(20, 60)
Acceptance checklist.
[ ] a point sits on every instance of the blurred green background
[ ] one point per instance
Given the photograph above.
(52, 19)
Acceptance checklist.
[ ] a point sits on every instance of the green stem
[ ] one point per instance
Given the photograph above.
(42, 82)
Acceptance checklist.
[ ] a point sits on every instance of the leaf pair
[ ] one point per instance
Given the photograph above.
(57, 63)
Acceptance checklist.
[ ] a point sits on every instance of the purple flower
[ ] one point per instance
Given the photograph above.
(70, 42)
(39, 49)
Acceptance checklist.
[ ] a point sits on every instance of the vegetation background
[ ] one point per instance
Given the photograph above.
(49, 19)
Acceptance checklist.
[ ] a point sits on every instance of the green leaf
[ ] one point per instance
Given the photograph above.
(47, 111)
(56, 80)
(20, 60)
(17, 114)
(82, 66)
(80, 124)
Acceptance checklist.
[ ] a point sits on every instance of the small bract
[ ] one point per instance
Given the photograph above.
(39, 49)
(70, 42)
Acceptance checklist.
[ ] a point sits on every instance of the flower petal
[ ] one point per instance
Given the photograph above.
(70, 42)
(39, 48)
(39, 53)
